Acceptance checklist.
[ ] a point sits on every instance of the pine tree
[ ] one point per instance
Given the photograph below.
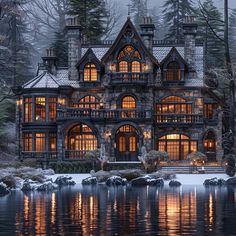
(92, 16)
(139, 10)
(232, 35)
(214, 45)
(173, 14)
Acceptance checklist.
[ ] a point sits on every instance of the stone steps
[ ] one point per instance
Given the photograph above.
(191, 169)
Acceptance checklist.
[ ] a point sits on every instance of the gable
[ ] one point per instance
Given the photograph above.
(128, 36)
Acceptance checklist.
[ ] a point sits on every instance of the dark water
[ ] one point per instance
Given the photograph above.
(120, 211)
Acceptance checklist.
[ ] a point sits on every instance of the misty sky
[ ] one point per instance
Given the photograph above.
(158, 3)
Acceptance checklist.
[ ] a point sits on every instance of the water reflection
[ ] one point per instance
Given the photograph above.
(120, 211)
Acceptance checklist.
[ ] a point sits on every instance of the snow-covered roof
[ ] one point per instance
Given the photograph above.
(47, 80)
(44, 80)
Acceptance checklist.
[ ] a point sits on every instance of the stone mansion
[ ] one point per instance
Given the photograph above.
(125, 93)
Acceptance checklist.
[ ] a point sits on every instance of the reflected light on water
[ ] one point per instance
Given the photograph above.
(211, 212)
(53, 208)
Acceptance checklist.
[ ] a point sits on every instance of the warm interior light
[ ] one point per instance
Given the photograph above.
(61, 101)
(101, 105)
(19, 102)
(147, 134)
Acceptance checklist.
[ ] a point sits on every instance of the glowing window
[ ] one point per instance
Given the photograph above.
(132, 144)
(40, 108)
(123, 66)
(40, 140)
(28, 109)
(90, 72)
(87, 102)
(52, 142)
(28, 142)
(128, 102)
(178, 146)
(81, 138)
(52, 104)
(136, 67)
(209, 110)
(173, 71)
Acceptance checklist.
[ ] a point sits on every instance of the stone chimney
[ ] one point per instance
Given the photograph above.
(73, 28)
(50, 60)
(147, 32)
(190, 31)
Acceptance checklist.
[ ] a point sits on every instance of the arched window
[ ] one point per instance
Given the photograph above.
(174, 104)
(87, 102)
(136, 66)
(173, 71)
(129, 60)
(210, 145)
(90, 72)
(178, 146)
(128, 102)
(80, 139)
(123, 66)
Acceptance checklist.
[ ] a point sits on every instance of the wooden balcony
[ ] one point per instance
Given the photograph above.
(101, 114)
(117, 78)
(179, 119)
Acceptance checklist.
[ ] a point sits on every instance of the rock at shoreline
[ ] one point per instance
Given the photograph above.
(174, 183)
(90, 181)
(27, 186)
(49, 186)
(116, 181)
(147, 180)
(64, 181)
(214, 182)
(3, 189)
(231, 181)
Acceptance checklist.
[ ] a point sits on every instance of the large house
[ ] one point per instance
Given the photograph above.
(131, 92)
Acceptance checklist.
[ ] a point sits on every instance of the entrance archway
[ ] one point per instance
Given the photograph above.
(127, 143)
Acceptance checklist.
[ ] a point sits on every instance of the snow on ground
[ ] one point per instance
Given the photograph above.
(185, 179)
(76, 177)
(198, 179)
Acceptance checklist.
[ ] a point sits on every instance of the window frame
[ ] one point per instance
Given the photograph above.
(90, 70)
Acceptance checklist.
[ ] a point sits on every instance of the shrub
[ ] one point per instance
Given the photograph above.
(197, 158)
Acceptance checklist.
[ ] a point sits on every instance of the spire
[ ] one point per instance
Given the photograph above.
(129, 9)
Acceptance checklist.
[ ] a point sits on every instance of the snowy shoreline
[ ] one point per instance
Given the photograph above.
(184, 179)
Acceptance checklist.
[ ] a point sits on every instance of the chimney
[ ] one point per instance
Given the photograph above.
(74, 46)
(50, 60)
(147, 32)
(190, 31)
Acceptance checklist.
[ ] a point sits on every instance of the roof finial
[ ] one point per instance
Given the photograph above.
(129, 9)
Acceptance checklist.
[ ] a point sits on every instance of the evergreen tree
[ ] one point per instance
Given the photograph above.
(139, 10)
(173, 14)
(92, 16)
(211, 30)
(61, 47)
(232, 35)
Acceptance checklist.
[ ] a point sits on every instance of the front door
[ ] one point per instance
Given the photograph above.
(127, 145)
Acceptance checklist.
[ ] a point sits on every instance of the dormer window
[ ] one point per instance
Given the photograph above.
(90, 72)
(129, 60)
(173, 71)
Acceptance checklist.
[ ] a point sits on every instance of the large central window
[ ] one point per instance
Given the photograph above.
(178, 146)
(128, 102)
(129, 60)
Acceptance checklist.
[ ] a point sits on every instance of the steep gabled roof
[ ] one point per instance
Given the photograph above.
(44, 80)
(175, 55)
(88, 56)
(128, 24)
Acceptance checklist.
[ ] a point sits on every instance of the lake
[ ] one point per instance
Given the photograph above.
(102, 210)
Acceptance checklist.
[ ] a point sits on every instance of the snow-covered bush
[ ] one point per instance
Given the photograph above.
(230, 161)
(197, 158)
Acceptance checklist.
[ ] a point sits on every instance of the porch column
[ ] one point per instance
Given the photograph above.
(60, 143)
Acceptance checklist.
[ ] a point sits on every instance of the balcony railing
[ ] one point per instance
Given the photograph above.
(77, 155)
(179, 119)
(129, 78)
(98, 114)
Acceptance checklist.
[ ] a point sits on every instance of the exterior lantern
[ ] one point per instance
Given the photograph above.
(147, 134)
(107, 134)
(61, 101)
(19, 102)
